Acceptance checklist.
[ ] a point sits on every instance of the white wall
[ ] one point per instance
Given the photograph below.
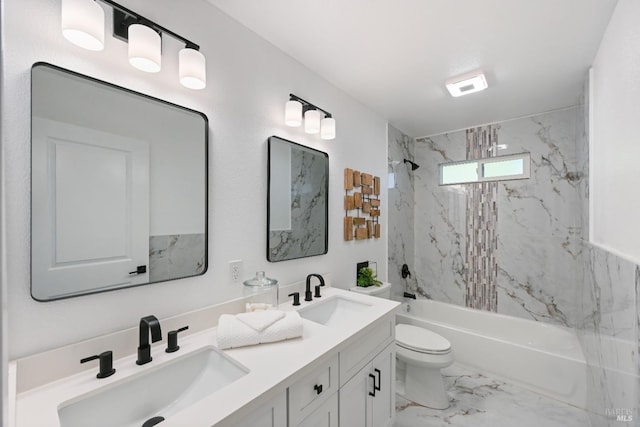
(248, 83)
(614, 139)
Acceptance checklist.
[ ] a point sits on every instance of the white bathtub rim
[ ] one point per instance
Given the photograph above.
(575, 352)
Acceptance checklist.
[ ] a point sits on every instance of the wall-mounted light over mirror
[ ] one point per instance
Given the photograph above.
(297, 108)
(119, 187)
(297, 201)
(82, 23)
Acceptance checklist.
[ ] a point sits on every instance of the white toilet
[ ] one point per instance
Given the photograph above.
(422, 353)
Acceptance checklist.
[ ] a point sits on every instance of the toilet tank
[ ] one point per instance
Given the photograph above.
(382, 291)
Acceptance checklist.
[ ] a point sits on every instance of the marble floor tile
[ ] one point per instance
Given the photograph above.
(478, 400)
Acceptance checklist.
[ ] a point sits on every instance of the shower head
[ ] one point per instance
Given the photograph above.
(414, 166)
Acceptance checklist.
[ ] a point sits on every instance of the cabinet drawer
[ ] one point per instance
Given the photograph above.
(357, 355)
(307, 394)
(325, 416)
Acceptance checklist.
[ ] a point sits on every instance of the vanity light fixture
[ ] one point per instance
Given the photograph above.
(83, 25)
(467, 83)
(312, 121)
(297, 107)
(145, 48)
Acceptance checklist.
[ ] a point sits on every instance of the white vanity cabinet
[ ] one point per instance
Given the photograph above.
(324, 416)
(368, 399)
(271, 414)
(311, 391)
(366, 396)
(316, 380)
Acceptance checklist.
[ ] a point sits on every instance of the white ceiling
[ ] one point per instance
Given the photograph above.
(395, 55)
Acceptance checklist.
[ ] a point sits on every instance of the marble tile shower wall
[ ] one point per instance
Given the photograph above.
(538, 221)
(401, 236)
(609, 309)
(547, 269)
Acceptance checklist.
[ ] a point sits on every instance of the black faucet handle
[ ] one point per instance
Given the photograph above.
(172, 340)
(106, 363)
(296, 298)
(317, 294)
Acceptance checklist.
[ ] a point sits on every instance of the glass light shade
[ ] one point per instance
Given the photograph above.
(82, 23)
(192, 69)
(328, 128)
(293, 113)
(312, 121)
(144, 48)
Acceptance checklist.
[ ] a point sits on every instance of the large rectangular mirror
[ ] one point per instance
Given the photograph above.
(297, 202)
(118, 187)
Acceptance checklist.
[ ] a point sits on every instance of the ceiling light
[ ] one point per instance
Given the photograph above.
(83, 23)
(467, 83)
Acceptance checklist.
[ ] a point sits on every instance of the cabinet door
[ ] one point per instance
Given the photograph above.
(324, 416)
(272, 414)
(355, 403)
(384, 402)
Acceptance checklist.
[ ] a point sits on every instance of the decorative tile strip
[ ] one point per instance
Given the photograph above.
(481, 227)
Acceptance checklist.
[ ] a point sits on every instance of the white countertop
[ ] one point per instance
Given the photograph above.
(272, 367)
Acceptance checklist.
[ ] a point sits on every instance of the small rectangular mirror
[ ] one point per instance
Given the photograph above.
(297, 201)
(118, 187)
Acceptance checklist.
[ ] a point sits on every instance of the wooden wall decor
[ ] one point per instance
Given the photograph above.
(361, 205)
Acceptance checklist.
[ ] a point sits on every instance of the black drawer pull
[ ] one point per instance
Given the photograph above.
(379, 380)
(373, 377)
(318, 388)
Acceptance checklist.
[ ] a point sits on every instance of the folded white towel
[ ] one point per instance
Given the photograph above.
(260, 320)
(237, 331)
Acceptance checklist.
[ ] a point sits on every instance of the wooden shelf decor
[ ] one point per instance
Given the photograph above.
(361, 205)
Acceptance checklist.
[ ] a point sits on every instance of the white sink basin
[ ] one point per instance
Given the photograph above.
(159, 391)
(333, 311)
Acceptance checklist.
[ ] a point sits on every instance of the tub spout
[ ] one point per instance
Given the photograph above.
(408, 295)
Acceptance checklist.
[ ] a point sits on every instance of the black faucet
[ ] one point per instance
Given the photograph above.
(148, 323)
(308, 294)
(408, 295)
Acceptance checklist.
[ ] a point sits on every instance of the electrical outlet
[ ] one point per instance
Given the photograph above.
(235, 271)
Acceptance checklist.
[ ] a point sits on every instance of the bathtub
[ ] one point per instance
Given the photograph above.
(543, 358)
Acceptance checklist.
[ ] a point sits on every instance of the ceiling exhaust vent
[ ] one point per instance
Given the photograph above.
(467, 83)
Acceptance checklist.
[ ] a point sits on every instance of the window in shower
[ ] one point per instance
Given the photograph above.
(499, 168)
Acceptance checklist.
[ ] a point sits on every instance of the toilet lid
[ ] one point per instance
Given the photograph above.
(421, 340)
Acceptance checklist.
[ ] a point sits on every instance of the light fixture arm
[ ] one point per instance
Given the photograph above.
(306, 105)
(123, 17)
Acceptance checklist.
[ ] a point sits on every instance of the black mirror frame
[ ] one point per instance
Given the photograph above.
(326, 213)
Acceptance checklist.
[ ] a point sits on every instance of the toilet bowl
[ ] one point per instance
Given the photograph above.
(423, 353)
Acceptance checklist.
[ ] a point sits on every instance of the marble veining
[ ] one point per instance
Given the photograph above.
(609, 311)
(308, 216)
(479, 400)
(401, 201)
(440, 221)
(175, 256)
(538, 228)
(547, 270)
